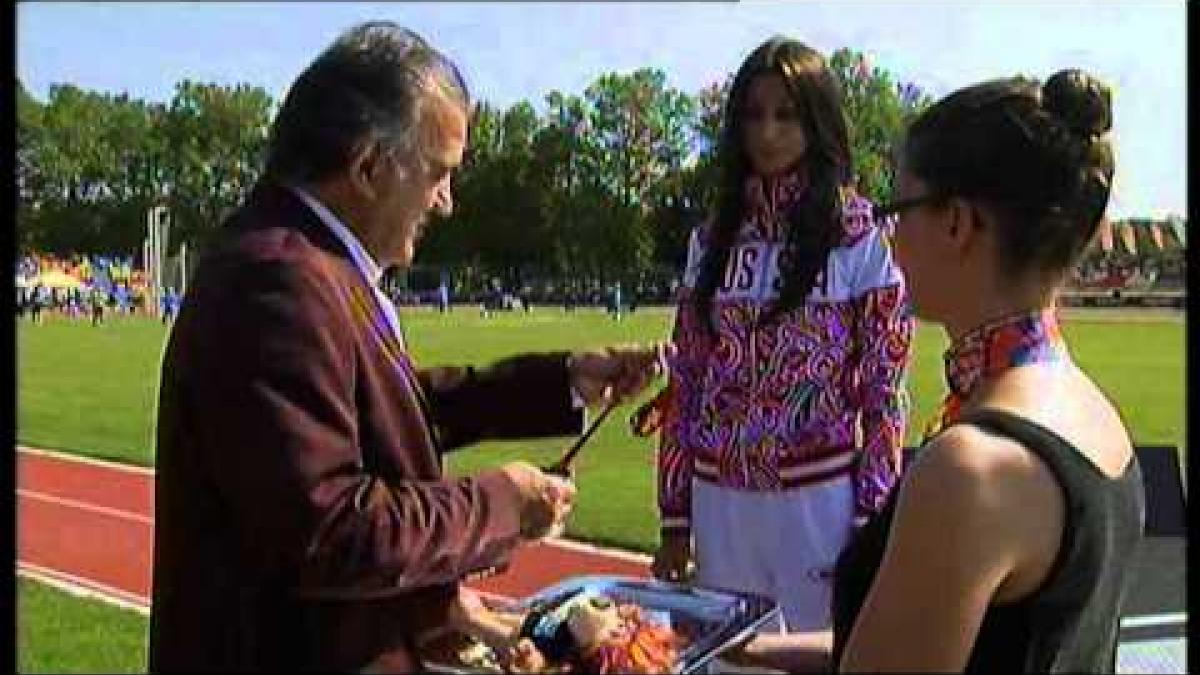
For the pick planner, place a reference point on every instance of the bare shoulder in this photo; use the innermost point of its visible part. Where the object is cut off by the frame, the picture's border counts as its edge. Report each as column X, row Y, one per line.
column 1072, row 406
column 966, row 452
column 960, row 518
column 983, row 478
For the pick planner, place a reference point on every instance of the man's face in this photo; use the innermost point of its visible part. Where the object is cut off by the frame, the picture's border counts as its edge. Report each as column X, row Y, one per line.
column 422, row 181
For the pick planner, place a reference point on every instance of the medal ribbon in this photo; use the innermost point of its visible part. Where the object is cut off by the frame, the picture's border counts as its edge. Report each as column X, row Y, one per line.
column 988, row 350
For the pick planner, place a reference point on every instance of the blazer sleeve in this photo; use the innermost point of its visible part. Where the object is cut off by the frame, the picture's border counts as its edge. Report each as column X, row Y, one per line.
column 523, row 396
column 276, row 377
column 883, row 337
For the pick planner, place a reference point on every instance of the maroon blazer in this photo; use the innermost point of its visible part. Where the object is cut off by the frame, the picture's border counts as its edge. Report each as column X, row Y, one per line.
column 302, row 520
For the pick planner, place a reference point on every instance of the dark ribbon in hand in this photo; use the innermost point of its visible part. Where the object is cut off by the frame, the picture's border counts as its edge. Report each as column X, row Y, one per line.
column 563, row 466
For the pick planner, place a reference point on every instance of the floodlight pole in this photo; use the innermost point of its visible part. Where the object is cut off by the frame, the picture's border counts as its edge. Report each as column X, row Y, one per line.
column 151, row 300
column 158, row 223
column 183, row 269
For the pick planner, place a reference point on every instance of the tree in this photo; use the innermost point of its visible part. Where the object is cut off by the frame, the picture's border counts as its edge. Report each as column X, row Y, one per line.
column 640, row 128
column 69, row 173
column 498, row 222
column 91, row 164
column 557, row 146
column 215, row 137
column 515, row 236
column 604, row 186
column 31, row 181
column 453, row 242
column 687, row 194
column 877, row 112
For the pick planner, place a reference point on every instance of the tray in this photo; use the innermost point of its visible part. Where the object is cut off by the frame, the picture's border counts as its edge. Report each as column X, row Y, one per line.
column 710, row 620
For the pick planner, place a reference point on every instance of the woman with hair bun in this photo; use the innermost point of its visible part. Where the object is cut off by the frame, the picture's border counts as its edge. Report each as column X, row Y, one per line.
column 1007, row 546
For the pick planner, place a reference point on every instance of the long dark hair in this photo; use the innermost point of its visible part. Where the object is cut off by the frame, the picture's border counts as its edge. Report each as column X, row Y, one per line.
column 814, row 226
column 1037, row 155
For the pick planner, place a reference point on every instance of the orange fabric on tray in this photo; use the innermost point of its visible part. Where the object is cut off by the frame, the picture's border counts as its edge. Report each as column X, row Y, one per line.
column 647, row 647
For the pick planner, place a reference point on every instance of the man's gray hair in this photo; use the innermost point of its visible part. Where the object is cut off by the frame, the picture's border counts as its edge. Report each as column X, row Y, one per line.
column 372, row 84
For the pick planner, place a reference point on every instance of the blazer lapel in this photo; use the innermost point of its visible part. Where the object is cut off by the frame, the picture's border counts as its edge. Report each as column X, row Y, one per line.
column 287, row 209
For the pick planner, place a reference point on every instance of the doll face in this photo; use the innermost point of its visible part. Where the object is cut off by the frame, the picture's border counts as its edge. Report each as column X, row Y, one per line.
column 593, row 619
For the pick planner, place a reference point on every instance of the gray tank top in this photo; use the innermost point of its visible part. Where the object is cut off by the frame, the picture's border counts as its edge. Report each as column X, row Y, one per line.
column 1071, row 622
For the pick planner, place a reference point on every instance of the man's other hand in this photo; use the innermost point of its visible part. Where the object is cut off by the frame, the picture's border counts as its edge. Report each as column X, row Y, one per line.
column 620, row 371
column 546, row 500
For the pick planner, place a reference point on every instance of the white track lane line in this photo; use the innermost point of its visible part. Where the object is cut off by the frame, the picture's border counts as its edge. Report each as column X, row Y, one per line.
column 85, row 506
column 79, row 459
column 83, row 587
column 86, row 587
column 568, row 544
column 592, row 549
column 94, row 590
column 1145, row 620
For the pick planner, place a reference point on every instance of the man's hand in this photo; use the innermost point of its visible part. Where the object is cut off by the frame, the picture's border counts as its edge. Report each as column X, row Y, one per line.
column 546, row 500
column 619, row 372
column 465, row 612
column 673, row 559
column 469, row 615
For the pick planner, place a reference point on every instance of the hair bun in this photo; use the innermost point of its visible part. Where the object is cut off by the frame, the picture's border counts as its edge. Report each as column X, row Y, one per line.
column 1081, row 102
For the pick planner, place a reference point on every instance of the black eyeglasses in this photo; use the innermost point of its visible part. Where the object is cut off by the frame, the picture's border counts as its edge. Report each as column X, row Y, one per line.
column 895, row 208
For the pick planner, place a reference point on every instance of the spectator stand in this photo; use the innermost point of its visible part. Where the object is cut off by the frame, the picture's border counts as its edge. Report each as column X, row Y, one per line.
column 1132, row 263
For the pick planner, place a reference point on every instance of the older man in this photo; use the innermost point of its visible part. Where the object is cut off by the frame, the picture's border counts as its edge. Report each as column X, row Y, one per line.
column 302, row 517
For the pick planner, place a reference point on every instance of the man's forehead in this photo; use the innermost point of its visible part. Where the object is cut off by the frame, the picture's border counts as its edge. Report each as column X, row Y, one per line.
column 445, row 131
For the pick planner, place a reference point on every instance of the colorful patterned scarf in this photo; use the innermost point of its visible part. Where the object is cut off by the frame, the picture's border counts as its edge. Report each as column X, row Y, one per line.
column 985, row 352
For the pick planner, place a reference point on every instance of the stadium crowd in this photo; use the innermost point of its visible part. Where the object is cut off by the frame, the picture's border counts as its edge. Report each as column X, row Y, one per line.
column 80, row 286
column 76, row 285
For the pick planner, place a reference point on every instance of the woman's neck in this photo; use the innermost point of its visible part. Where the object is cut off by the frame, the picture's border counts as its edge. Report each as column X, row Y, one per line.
column 987, row 307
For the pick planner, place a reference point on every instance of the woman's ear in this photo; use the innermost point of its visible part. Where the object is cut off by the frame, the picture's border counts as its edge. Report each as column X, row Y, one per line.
column 965, row 225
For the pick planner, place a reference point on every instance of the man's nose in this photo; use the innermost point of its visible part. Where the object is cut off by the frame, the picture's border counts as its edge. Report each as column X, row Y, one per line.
column 443, row 201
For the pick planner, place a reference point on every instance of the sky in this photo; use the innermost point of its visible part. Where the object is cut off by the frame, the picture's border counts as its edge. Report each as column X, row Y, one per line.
column 521, row 51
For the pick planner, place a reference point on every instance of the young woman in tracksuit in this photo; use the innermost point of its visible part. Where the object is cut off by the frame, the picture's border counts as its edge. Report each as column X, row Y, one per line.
column 784, row 419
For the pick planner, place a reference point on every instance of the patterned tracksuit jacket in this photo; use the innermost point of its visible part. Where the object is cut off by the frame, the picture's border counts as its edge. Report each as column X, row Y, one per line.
column 815, row 395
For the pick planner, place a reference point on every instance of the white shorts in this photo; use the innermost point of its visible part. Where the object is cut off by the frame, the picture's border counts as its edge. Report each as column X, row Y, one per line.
column 780, row 544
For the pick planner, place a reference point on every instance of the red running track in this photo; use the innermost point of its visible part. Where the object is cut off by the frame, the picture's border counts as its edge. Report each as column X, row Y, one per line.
column 91, row 524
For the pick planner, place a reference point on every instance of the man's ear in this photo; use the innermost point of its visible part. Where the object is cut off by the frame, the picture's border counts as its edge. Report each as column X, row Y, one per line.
column 367, row 166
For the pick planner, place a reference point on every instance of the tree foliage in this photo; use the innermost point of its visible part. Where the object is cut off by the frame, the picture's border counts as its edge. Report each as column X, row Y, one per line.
column 877, row 111
column 604, row 184
column 91, row 164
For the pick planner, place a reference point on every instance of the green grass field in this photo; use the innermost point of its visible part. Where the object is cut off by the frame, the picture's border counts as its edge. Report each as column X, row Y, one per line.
column 92, row 391
column 60, row 633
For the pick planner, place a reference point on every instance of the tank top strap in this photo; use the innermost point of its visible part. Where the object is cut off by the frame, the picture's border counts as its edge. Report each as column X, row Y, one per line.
column 1065, row 460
